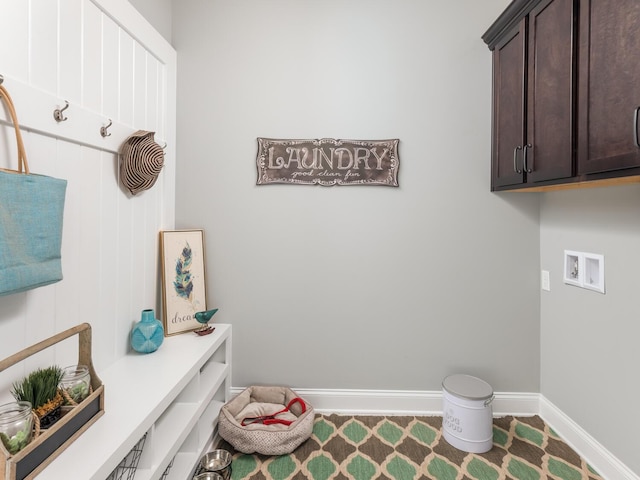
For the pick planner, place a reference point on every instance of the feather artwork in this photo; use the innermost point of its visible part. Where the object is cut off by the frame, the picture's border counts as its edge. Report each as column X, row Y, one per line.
column 183, row 283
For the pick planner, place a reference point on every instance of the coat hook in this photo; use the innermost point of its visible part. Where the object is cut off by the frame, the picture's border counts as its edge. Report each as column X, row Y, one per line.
column 57, row 113
column 103, row 129
column 1, row 79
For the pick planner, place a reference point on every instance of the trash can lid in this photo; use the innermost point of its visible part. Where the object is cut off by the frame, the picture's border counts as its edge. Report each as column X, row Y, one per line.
column 466, row 386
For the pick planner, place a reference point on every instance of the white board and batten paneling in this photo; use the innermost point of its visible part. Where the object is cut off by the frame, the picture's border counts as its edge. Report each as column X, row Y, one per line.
column 110, row 65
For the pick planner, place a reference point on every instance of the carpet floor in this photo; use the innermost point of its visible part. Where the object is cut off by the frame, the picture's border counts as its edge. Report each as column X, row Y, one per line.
column 358, row 447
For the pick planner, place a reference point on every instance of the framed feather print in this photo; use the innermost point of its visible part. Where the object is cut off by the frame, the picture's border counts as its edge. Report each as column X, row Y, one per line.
column 183, row 279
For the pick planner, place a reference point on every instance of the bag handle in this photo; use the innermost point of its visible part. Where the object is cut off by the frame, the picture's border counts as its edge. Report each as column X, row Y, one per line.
column 271, row 419
column 23, row 166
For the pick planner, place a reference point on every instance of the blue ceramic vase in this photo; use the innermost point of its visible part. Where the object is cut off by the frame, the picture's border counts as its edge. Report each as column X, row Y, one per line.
column 147, row 335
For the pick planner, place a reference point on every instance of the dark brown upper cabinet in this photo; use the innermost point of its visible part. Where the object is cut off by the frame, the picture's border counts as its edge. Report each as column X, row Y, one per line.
column 609, row 86
column 533, row 93
column 509, row 108
column 566, row 94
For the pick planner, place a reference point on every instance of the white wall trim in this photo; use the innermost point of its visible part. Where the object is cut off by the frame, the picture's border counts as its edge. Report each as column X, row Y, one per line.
column 603, row 461
column 35, row 113
column 413, row 402
column 127, row 16
column 403, row 402
column 373, row 402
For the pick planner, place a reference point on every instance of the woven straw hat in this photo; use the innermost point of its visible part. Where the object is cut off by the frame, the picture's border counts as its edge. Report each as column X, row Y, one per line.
column 141, row 160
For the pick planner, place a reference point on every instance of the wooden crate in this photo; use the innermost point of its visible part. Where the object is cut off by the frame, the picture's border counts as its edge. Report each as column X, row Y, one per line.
column 33, row 458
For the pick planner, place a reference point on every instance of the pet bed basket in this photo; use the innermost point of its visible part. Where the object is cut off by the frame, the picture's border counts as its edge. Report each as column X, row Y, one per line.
column 266, row 420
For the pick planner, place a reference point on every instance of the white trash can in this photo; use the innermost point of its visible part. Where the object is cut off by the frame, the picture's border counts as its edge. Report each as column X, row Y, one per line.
column 467, row 414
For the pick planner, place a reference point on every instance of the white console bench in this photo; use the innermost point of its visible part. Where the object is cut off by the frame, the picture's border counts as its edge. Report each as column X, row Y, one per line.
column 173, row 396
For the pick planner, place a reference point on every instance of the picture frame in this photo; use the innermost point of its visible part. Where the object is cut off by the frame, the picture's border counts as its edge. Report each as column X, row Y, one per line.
column 183, row 279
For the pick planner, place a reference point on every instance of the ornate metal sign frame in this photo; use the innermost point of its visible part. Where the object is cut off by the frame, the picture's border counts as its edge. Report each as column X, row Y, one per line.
column 328, row 161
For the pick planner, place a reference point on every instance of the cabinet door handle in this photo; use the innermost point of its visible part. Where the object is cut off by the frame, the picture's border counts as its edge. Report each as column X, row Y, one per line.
column 635, row 126
column 524, row 158
column 515, row 159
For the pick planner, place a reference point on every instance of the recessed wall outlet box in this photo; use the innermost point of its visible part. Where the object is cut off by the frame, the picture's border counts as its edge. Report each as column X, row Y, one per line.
column 585, row 270
column 593, row 278
column 573, row 267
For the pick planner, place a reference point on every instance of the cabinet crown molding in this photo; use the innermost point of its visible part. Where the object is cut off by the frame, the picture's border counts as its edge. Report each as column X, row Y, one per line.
column 508, row 19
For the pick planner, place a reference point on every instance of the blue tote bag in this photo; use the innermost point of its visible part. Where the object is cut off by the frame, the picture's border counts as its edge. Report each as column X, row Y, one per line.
column 31, row 212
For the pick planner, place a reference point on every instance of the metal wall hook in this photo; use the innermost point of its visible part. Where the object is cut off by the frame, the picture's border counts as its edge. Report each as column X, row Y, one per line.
column 104, row 128
column 57, row 113
column 1, row 79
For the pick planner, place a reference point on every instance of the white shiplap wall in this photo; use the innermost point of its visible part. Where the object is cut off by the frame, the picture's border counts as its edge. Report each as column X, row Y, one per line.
column 105, row 60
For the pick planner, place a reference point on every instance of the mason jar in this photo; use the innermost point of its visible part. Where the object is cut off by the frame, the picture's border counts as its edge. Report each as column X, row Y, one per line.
column 76, row 381
column 16, row 422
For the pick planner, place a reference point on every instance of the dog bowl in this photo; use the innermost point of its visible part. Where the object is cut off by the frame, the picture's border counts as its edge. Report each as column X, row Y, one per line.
column 218, row 461
column 208, row 476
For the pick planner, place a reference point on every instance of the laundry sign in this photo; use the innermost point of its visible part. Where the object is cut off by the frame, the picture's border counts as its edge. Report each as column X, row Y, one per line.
column 328, row 161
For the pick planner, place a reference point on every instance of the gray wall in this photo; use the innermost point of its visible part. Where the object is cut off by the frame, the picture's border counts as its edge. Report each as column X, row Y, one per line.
column 366, row 287
column 356, row 287
column 590, row 353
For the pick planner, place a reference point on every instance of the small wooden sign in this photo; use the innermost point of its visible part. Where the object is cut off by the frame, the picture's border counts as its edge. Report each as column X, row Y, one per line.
column 328, row 162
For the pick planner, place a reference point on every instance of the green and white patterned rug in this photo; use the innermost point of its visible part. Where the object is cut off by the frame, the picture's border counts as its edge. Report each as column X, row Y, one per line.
column 412, row 448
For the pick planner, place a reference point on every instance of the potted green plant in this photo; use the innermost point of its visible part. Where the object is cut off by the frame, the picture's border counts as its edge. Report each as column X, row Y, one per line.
column 41, row 389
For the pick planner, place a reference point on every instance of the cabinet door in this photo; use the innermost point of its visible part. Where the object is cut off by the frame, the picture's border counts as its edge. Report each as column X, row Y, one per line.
column 609, row 90
column 549, row 153
column 509, row 83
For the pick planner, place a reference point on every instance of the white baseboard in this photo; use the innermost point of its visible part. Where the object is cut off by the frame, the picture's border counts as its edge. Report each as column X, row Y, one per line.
column 373, row 402
column 403, row 402
column 602, row 461
column 408, row 402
